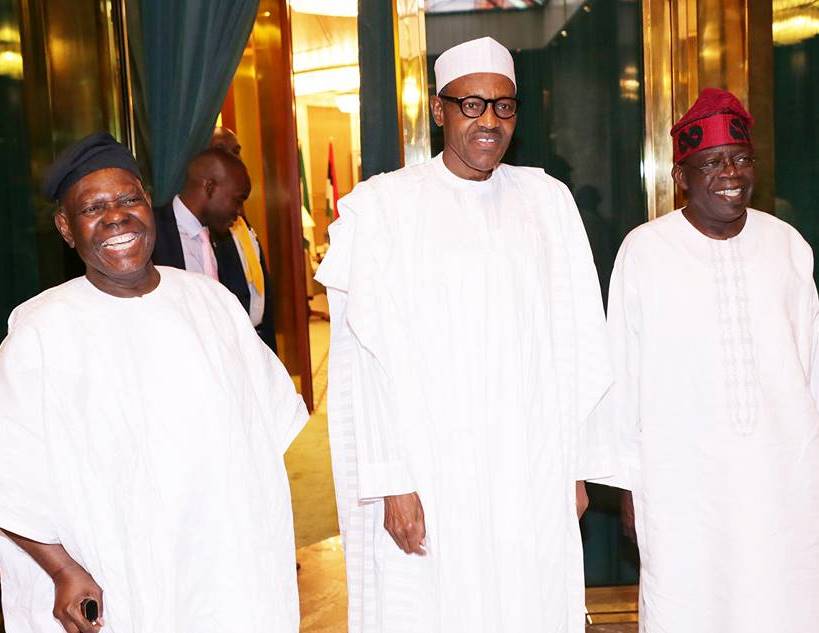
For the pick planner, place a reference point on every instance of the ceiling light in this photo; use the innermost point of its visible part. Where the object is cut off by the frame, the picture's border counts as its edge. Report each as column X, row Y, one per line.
column 11, row 64
column 341, row 8
column 348, row 103
column 340, row 79
column 794, row 21
column 411, row 97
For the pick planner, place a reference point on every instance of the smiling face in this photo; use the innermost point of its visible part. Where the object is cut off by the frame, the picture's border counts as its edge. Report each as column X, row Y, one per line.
column 718, row 183
column 474, row 147
column 106, row 216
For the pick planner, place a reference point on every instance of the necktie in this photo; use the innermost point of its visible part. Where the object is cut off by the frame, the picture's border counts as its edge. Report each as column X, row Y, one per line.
column 253, row 272
column 208, row 256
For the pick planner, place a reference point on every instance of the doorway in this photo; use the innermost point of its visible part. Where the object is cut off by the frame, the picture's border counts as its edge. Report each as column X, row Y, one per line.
column 294, row 105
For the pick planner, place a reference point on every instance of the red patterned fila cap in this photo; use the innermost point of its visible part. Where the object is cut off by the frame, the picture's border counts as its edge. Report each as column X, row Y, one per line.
column 716, row 118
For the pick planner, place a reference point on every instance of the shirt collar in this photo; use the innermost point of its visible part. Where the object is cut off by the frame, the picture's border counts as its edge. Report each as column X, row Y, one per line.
column 187, row 222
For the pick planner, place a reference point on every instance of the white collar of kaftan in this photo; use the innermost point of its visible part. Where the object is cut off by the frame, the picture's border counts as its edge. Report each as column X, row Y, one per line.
column 704, row 247
column 476, row 186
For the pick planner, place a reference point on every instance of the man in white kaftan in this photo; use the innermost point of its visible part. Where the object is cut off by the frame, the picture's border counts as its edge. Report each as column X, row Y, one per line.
column 714, row 323
column 467, row 352
column 144, row 436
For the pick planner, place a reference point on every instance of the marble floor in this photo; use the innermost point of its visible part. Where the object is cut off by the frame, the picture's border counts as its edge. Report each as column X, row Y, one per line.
column 322, row 589
column 308, row 458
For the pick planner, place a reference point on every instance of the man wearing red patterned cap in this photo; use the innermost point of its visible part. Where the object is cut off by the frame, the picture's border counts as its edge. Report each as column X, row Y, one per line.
column 714, row 326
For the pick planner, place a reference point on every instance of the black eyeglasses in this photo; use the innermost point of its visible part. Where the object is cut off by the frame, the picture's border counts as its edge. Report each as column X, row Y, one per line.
column 717, row 164
column 473, row 106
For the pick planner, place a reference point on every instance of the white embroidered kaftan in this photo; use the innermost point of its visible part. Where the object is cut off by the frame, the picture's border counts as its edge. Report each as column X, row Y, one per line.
column 467, row 352
column 715, row 354
column 146, row 436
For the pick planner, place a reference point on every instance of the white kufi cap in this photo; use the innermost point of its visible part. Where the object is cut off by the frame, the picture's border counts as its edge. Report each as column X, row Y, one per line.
column 484, row 55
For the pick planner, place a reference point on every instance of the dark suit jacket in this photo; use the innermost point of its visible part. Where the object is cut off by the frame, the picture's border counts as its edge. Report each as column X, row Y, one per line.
column 168, row 252
column 168, row 247
column 232, row 275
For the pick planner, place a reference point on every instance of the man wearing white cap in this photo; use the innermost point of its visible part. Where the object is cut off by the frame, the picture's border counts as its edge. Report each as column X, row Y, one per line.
column 468, row 351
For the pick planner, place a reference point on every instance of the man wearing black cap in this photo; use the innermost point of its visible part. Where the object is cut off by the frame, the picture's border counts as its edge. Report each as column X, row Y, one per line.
column 714, row 325
column 143, row 427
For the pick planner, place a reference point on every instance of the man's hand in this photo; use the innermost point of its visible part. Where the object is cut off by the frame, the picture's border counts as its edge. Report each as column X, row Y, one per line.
column 627, row 515
column 404, row 520
column 581, row 498
column 72, row 585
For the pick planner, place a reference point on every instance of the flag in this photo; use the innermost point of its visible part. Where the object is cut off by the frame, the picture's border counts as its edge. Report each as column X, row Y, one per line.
column 332, row 186
column 305, row 190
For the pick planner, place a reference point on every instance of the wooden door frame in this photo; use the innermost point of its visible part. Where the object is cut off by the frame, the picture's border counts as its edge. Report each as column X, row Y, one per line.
column 274, row 53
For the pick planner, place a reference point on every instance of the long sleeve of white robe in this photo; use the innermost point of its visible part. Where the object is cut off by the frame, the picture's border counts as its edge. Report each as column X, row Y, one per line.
column 367, row 456
column 26, row 507
column 622, row 404
column 596, row 445
column 381, row 466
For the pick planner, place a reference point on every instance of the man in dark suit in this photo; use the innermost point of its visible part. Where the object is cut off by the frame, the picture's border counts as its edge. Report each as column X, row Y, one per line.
column 233, row 275
column 194, row 232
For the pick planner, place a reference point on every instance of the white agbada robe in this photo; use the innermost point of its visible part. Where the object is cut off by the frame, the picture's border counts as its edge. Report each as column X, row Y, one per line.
column 147, row 435
column 467, row 351
column 715, row 355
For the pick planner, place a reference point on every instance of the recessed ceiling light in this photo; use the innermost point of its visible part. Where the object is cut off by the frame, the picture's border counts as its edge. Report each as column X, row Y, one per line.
column 342, row 8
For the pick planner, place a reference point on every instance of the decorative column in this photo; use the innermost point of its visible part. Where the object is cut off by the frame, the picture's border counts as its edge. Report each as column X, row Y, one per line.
column 412, row 84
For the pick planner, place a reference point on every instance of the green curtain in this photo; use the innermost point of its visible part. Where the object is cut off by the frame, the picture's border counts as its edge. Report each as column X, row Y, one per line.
column 380, row 148
column 796, row 138
column 19, row 268
column 191, row 49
